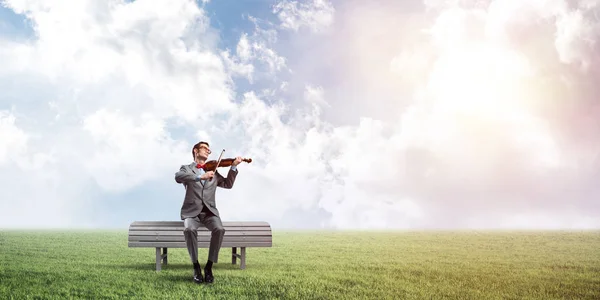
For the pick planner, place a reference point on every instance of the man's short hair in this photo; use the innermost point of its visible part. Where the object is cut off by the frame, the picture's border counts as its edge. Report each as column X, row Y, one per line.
column 197, row 146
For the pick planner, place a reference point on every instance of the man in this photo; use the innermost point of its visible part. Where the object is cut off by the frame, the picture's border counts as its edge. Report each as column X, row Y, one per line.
column 199, row 207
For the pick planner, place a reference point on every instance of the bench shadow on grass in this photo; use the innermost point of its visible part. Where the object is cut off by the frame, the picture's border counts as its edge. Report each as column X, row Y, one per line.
column 183, row 271
column 142, row 266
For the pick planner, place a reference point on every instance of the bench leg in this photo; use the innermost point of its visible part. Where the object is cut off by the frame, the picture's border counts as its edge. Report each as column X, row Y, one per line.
column 158, row 257
column 233, row 256
column 243, row 258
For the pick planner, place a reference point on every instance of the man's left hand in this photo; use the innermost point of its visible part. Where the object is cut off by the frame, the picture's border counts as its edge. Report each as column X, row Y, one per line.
column 237, row 161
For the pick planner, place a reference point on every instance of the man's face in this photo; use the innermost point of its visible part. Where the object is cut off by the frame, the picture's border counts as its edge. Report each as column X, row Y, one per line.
column 203, row 151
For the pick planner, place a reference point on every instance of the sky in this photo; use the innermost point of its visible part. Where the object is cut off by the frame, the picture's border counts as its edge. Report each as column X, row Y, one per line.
column 357, row 114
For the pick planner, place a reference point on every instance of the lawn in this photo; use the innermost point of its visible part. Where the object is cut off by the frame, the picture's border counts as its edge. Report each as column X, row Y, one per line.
column 310, row 265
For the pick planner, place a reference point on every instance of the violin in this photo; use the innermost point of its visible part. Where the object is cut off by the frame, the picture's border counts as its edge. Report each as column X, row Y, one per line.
column 211, row 165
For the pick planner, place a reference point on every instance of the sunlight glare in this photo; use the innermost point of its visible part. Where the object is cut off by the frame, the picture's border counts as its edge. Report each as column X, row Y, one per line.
column 478, row 93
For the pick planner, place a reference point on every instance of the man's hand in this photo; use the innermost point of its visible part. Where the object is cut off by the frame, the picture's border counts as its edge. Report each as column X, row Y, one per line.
column 237, row 161
column 207, row 175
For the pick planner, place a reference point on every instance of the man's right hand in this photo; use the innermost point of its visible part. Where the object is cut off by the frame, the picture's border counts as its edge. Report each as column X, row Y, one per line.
column 207, row 175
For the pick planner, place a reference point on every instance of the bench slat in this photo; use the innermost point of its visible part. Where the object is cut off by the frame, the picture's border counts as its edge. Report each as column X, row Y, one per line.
column 201, row 228
column 226, row 244
column 234, row 239
column 176, row 223
column 204, row 232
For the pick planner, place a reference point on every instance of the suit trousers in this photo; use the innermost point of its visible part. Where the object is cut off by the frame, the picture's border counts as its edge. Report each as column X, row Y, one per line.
column 213, row 224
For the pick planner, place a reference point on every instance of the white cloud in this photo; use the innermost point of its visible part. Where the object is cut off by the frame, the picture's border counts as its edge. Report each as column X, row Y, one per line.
column 14, row 140
column 138, row 44
column 478, row 74
column 254, row 58
column 577, row 35
column 128, row 150
column 315, row 95
column 305, row 163
column 116, row 74
column 37, row 191
column 240, row 64
column 476, row 135
column 243, row 48
column 316, row 15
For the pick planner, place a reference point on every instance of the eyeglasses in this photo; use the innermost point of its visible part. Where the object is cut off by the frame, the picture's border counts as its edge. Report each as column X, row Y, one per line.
column 205, row 148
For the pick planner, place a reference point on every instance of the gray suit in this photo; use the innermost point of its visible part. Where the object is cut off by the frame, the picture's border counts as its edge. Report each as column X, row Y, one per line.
column 199, row 208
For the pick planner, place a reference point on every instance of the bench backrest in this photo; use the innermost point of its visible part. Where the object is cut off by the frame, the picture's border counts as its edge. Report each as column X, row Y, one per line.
column 169, row 234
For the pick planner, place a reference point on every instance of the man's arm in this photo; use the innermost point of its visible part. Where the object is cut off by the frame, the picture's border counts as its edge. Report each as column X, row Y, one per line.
column 184, row 176
column 227, row 182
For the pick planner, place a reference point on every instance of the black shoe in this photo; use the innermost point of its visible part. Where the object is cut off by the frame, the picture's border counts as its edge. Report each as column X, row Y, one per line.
column 209, row 276
column 198, row 275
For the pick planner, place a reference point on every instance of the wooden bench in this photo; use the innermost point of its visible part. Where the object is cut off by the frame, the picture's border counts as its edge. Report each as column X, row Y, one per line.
column 169, row 234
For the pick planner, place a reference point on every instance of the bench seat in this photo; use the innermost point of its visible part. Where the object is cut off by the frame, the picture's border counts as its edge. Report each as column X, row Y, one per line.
column 169, row 234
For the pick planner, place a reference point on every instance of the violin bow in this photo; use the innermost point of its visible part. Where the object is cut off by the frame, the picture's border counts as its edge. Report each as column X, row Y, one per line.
column 218, row 162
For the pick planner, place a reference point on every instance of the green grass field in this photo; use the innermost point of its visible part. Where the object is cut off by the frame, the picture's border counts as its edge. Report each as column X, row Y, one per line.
column 310, row 265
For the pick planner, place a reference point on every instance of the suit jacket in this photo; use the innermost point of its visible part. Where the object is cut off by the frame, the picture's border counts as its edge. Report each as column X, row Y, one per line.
column 198, row 194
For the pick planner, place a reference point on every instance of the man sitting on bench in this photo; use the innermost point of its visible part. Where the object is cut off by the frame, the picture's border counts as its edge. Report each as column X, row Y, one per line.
column 199, row 207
